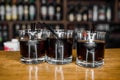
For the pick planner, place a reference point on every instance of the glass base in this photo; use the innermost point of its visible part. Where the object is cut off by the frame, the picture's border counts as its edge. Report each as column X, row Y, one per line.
column 54, row 61
column 88, row 64
column 33, row 60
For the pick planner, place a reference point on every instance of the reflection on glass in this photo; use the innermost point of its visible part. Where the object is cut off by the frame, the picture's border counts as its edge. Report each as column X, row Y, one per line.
column 59, row 74
column 89, row 74
column 33, row 73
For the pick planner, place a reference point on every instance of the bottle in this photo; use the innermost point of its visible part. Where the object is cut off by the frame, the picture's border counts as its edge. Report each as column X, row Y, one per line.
column 78, row 14
column 58, row 12
column 43, row 1
column 14, row 12
column 58, row 9
column 20, row 12
column 26, row 1
column 90, row 14
column 71, row 16
column 95, row 13
column 16, row 30
column 43, row 11
column 101, row 13
column 51, row 10
column 32, row 11
column 2, row 12
column 85, row 14
column 8, row 12
column 108, row 14
column 26, row 12
column 5, row 32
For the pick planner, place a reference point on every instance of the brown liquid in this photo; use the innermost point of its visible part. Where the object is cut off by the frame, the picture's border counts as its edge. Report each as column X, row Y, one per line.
column 98, row 50
column 67, row 47
column 24, row 49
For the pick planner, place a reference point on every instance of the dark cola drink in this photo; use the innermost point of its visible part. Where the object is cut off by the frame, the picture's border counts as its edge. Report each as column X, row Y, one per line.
column 90, row 54
column 32, row 51
column 61, row 54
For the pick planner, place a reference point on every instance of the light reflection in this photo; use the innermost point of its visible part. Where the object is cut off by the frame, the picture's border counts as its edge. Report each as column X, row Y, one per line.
column 33, row 72
column 59, row 74
column 89, row 74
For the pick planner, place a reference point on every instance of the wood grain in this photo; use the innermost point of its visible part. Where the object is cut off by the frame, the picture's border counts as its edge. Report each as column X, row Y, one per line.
column 12, row 69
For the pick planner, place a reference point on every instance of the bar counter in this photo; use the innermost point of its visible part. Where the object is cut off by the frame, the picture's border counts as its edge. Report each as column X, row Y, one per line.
column 12, row 69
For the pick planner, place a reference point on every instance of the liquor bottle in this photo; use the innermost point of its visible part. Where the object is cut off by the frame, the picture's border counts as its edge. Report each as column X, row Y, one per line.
column 26, row 1
column 108, row 14
column 16, row 30
column 85, row 14
column 32, row 11
column 95, row 13
column 5, row 32
column 101, row 13
column 43, row 1
column 2, row 12
column 14, row 12
column 78, row 14
column 2, row 1
column 59, row 9
column 20, row 11
column 90, row 14
column 71, row 16
column 8, row 11
column 43, row 11
column 26, row 12
column 51, row 10
column 58, row 12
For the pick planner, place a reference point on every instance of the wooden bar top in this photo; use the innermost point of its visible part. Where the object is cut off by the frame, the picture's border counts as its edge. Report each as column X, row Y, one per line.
column 12, row 69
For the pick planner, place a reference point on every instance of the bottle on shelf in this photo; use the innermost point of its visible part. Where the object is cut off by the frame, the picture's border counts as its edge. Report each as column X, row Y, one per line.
column 26, row 11
column 90, row 13
column 43, row 1
column 71, row 15
column 108, row 14
column 51, row 10
column 14, row 12
column 32, row 11
column 8, row 12
column 78, row 14
column 85, row 14
column 95, row 13
column 43, row 10
column 101, row 13
column 2, row 12
column 58, row 12
column 20, row 11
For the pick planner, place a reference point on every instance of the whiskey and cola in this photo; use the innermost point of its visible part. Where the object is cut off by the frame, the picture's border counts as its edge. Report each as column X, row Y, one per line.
column 41, row 45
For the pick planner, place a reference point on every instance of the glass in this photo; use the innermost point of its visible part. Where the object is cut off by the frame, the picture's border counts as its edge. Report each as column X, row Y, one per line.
column 32, row 46
column 90, row 48
column 59, row 49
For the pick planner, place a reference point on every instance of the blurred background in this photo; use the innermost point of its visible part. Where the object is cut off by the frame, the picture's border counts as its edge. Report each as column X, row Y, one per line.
column 100, row 15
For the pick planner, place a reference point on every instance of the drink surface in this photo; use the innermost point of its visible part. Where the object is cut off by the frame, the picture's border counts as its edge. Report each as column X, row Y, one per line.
column 67, row 51
column 83, row 47
column 32, row 49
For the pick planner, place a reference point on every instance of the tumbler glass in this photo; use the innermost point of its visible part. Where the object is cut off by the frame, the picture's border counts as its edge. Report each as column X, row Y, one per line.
column 32, row 46
column 90, row 48
column 59, row 49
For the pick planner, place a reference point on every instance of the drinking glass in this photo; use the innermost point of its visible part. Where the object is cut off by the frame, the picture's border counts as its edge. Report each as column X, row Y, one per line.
column 90, row 48
column 59, row 48
column 32, row 46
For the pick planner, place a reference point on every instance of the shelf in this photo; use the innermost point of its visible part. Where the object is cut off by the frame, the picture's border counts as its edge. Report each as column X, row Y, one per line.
column 82, row 22
column 85, row 2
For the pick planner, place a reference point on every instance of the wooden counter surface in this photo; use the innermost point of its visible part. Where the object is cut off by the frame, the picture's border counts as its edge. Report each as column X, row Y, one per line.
column 12, row 69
